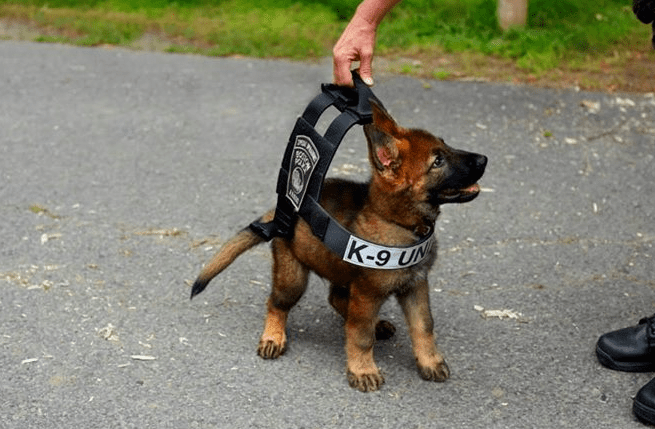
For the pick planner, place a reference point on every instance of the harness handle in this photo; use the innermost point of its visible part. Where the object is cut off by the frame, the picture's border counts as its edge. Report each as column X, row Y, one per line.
column 355, row 99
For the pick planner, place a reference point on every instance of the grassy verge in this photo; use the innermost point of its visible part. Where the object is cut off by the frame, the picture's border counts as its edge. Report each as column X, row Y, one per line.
column 233, row 28
column 592, row 42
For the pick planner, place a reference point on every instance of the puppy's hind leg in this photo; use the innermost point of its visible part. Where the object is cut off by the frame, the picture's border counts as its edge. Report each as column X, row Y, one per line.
column 289, row 284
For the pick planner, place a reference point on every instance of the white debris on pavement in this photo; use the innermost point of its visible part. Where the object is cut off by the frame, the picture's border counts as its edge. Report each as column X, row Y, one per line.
column 47, row 237
column 626, row 102
column 499, row 314
column 143, row 357
column 592, row 106
column 108, row 333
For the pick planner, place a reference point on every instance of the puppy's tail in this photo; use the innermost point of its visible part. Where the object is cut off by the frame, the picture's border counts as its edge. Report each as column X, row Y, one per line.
column 238, row 244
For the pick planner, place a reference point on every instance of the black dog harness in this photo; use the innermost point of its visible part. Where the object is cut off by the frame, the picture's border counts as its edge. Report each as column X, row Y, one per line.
column 304, row 166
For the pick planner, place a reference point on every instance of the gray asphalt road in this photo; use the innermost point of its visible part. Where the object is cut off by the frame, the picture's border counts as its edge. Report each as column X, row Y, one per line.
column 121, row 172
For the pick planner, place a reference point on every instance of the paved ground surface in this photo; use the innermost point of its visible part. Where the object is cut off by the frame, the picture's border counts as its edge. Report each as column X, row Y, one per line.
column 121, row 172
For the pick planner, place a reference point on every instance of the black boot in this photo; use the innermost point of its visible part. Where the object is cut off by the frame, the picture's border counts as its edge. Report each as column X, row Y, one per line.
column 629, row 349
column 645, row 12
column 644, row 404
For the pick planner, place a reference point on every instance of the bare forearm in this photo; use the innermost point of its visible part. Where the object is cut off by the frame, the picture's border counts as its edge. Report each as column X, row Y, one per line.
column 374, row 11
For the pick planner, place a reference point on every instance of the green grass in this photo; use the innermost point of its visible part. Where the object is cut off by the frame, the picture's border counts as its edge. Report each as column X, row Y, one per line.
column 558, row 31
column 233, row 27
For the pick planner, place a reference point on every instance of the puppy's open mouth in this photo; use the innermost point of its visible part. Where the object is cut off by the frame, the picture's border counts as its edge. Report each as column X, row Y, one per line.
column 463, row 195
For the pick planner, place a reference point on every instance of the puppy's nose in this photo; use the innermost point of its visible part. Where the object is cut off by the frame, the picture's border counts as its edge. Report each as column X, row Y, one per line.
column 480, row 162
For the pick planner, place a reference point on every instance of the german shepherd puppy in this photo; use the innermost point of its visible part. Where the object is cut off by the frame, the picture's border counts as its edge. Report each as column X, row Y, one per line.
column 413, row 173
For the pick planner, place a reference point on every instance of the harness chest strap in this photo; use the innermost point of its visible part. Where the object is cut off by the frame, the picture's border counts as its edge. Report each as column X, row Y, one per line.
column 358, row 251
column 307, row 158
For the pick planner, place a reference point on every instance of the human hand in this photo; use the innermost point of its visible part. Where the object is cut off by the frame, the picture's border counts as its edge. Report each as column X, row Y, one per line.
column 356, row 43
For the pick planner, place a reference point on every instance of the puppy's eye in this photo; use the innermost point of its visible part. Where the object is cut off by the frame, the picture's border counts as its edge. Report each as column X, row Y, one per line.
column 439, row 162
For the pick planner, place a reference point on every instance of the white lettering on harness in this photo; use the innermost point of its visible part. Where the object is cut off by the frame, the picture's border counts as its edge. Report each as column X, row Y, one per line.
column 366, row 254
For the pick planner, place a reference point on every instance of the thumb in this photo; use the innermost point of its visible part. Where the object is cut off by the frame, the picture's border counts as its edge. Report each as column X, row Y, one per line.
column 365, row 70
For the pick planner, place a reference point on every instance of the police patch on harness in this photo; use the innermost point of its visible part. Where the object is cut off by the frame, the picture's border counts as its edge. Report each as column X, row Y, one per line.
column 303, row 161
column 366, row 254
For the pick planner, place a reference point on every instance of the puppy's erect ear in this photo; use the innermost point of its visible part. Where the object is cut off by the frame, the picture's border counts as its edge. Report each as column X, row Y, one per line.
column 382, row 144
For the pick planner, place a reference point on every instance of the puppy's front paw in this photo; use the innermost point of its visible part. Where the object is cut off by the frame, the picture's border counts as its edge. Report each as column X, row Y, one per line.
column 437, row 372
column 270, row 349
column 367, row 382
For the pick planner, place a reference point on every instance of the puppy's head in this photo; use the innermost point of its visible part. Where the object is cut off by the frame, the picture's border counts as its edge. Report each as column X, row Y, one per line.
column 415, row 163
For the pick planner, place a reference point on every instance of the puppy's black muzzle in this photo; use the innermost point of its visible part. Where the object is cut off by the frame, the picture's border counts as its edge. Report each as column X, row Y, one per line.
column 463, row 170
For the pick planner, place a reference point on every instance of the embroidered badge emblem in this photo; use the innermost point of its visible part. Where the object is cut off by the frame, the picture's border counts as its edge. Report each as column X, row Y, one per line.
column 303, row 161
